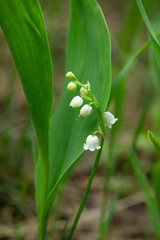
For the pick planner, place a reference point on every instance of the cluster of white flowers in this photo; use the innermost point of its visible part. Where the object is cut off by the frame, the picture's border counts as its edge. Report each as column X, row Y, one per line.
column 92, row 141
column 77, row 101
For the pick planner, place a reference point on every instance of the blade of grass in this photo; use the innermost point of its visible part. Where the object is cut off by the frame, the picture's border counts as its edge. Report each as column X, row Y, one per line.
column 150, row 201
column 155, row 70
column 120, row 76
column 154, row 40
column 107, row 216
column 128, row 34
column 55, row 215
column 156, row 181
column 141, row 177
column 155, row 140
column 156, row 173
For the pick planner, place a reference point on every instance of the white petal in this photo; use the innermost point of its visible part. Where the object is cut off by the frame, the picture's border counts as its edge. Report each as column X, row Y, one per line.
column 92, row 149
column 76, row 102
column 85, row 110
column 109, row 119
column 92, row 143
column 83, row 92
column 85, row 146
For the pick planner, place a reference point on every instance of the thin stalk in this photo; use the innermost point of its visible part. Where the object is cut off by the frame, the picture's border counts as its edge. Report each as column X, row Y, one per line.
column 145, row 106
column 150, row 200
column 107, row 212
column 108, row 215
column 23, row 191
column 86, row 191
column 107, row 176
column 56, row 208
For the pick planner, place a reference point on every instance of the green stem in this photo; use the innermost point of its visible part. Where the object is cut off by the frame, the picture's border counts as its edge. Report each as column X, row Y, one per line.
column 94, row 101
column 56, row 208
column 107, row 176
column 100, row 132
column 41, row 231
column 42, row 225
column 86, row 191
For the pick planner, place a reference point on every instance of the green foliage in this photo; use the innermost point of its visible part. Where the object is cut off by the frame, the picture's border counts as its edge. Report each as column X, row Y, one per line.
column 139, row 173
column 24, row 29
column 150, row 201
column 128, row 34
column 155, row 140
column 156, row 181
column 88, row 57
column 154, row 40
column 121, row 75
column 156, row 173
column 156, row 73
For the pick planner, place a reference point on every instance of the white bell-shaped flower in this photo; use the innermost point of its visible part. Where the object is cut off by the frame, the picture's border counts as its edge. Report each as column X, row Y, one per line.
column 76, row 102
column 83, row 92
column 109, row 119
column 85, row 110
column 92, row 143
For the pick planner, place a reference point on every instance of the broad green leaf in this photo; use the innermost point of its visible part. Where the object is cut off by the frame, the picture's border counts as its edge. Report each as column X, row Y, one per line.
column 155, row 140
column 88, row 57
column 154, row 40
column 24, row 29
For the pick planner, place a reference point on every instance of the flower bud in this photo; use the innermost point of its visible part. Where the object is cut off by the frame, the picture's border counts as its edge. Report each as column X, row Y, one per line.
column 83, row 92
column 70, row 75
column 109, row 119
column 92, row 143
column 85, row 110
column 76, row 102
column 71, row 87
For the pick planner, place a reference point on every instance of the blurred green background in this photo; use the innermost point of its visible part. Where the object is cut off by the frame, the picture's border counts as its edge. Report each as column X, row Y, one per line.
column 17, row 200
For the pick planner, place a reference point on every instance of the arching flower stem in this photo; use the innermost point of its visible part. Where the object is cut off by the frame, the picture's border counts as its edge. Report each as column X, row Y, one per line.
column 100, row 132
column 94, row 102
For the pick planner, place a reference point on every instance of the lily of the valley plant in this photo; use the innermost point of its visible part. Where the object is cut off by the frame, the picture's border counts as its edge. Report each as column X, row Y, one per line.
column 58, row 144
